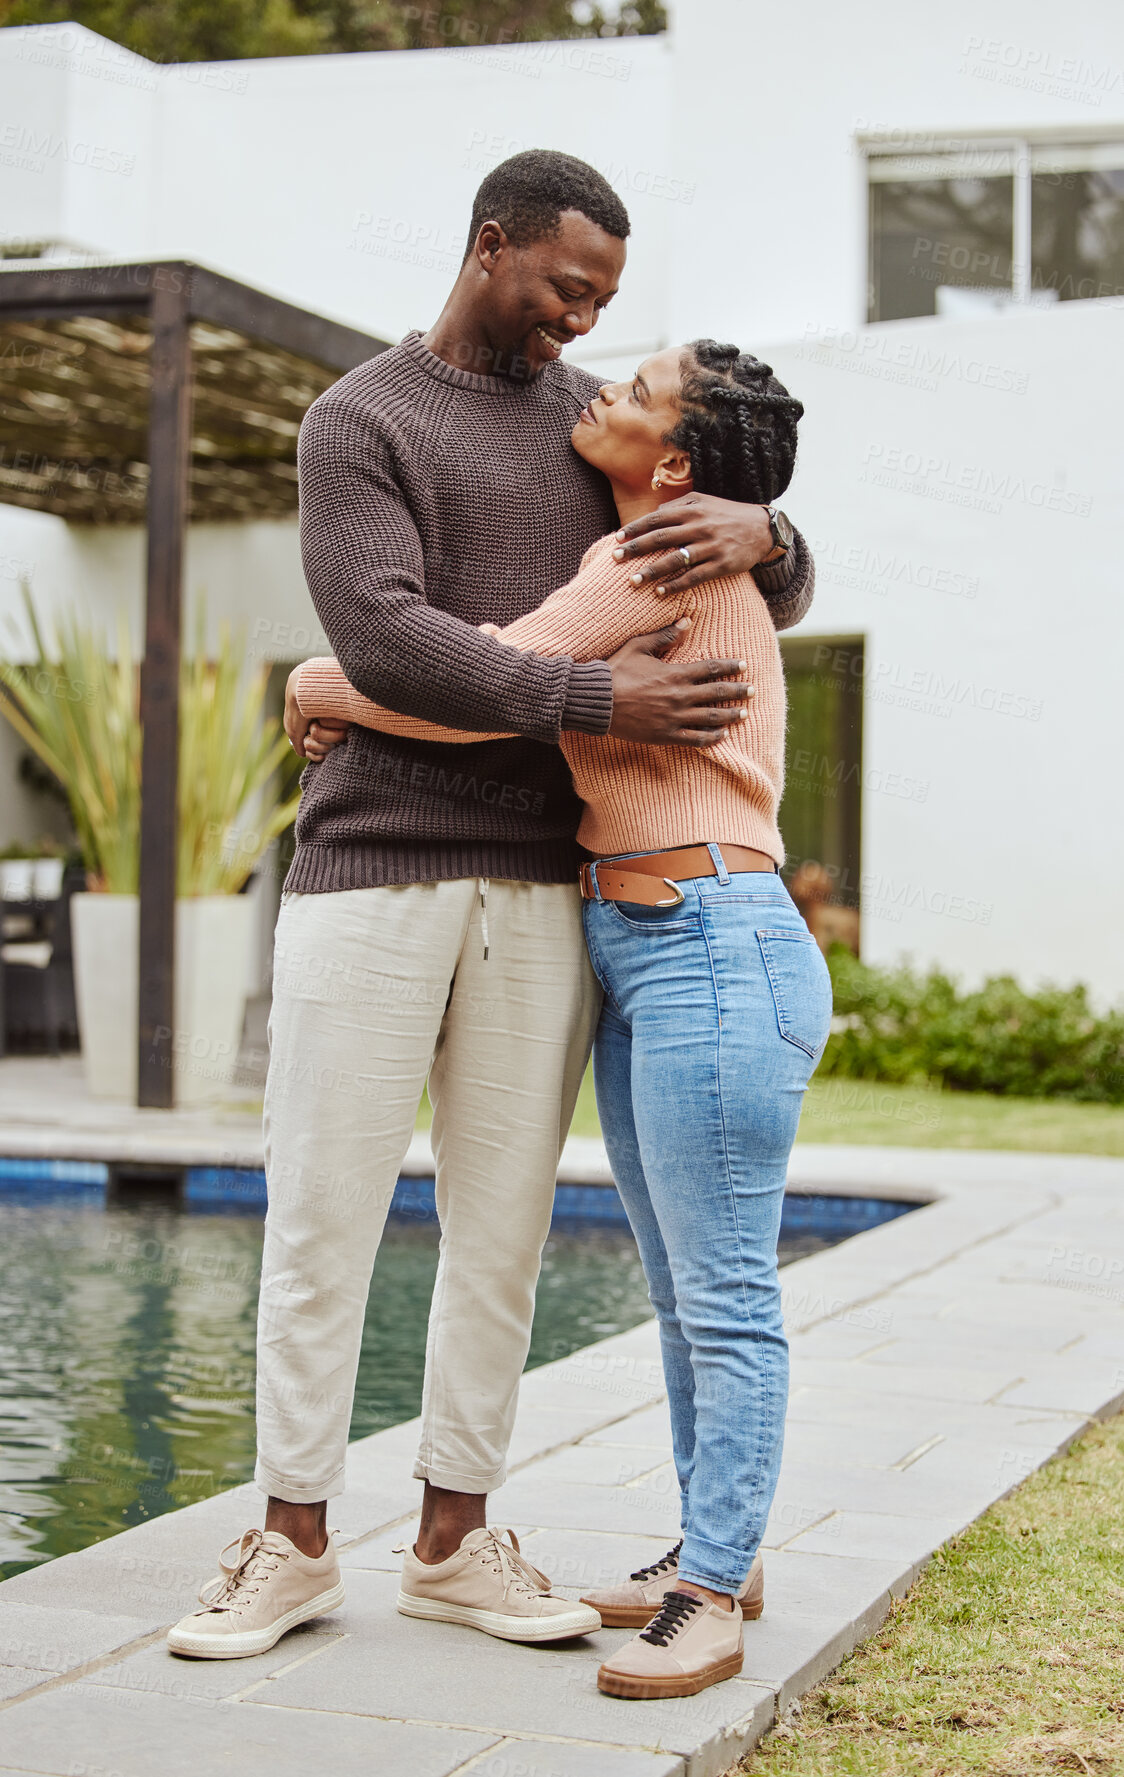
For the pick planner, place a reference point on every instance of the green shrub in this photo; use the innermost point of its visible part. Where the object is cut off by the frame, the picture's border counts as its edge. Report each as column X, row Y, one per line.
column 895, row 1025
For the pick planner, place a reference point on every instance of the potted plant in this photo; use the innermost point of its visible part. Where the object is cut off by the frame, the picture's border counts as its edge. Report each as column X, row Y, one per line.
column 77, row 707
column 32, row 872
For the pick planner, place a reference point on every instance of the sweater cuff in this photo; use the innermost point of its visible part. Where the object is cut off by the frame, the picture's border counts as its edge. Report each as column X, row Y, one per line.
column 319, row 692
column 777, row 576
column 589, row 698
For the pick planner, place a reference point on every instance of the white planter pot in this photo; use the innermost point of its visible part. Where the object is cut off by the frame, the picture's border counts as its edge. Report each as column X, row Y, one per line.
column 213, row 938
column 17, row 879
column 48, row 878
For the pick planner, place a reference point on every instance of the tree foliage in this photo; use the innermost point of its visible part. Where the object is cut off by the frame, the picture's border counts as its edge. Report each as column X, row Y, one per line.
column 229, row 30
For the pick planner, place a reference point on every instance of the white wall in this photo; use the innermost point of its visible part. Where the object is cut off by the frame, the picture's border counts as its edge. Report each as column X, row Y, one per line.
column 960, row 483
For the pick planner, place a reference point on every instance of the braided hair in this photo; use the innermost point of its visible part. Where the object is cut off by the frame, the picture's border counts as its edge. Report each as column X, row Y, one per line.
column 738, row 424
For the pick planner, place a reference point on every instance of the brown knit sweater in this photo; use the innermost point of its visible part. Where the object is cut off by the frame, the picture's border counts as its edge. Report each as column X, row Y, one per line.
column 433, row 500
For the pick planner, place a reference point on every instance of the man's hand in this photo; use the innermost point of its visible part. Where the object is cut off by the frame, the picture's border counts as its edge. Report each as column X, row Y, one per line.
column 721, row 537
column 309, row 738
column 688, row 703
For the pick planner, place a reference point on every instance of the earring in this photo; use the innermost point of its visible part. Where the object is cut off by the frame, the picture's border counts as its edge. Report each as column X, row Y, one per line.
column 656, row 482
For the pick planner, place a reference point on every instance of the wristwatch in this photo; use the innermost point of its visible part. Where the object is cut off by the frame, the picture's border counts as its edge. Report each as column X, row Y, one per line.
column 780, row 529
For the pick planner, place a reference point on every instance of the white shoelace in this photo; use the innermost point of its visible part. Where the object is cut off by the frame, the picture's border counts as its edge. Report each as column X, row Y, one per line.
column 514, row 1568
column 243, row 1576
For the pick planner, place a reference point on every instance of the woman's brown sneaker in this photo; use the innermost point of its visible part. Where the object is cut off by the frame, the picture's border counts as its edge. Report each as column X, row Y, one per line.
column 632, row 1605
column 690, row 1644
column 266, row 1589
column 489, row 1585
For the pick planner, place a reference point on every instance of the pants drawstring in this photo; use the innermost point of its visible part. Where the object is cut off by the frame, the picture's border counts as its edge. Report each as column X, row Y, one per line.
column 484, row 913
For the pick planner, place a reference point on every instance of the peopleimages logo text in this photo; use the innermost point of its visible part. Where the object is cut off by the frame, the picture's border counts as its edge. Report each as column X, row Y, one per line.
column 935, row 476
column 42, row 146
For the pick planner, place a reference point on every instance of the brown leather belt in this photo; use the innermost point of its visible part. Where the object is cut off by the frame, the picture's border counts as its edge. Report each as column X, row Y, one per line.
column 648, row 879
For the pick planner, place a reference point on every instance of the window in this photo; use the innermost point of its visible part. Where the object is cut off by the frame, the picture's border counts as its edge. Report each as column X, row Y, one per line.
column 821, row 812
column 976, row 226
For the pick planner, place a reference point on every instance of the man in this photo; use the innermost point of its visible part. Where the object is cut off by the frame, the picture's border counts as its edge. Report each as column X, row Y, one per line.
column 430, row 925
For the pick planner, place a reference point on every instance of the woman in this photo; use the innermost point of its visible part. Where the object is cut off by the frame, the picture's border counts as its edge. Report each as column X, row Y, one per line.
column 717, row 1000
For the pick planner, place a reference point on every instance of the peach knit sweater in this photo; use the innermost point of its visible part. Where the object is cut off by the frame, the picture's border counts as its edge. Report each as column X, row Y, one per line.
column 637, row 798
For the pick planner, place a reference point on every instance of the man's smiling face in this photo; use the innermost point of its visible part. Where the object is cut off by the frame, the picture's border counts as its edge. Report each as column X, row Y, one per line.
column 544, row 295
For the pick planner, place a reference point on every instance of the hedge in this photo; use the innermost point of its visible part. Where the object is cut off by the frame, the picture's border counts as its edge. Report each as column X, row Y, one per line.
column 906, row 1028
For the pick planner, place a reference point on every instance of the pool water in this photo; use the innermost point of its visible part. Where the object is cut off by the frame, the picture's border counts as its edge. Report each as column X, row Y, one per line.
column 127, row 1346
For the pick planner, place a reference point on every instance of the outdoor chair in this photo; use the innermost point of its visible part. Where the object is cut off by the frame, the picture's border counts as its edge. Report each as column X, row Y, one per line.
column 37, row 1005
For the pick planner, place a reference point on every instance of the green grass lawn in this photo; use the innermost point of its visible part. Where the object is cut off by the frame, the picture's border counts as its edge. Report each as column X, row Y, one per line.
column 920, row 1117
column 1004, row 1658
column 923, row 1117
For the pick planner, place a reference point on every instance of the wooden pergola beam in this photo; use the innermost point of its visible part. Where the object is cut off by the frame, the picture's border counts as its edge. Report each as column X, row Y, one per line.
column 169, row 437
column 207, row 296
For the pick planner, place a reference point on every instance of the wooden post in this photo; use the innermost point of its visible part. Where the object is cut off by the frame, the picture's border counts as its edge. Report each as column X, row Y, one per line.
column 169, row 421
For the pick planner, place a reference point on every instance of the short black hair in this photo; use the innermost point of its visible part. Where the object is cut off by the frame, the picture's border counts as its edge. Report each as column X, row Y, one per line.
column 528, row 193
column 738, row 424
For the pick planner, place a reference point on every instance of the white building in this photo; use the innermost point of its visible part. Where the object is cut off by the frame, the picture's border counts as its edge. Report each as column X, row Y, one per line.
column 956, row 173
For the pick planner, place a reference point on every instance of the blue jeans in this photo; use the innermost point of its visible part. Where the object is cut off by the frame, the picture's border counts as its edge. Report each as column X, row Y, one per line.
column 716, row 1012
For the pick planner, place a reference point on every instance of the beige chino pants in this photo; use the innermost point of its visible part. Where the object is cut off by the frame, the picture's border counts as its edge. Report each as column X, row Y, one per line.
column 374, row 991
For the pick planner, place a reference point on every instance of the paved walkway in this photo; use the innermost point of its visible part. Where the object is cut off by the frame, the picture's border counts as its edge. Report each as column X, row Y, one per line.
column 937, row 1361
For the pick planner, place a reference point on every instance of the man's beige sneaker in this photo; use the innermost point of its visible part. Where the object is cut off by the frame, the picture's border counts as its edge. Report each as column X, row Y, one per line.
column 267, row 1589
column 632, row 1605
column 689, row 1645
column 489, row 1585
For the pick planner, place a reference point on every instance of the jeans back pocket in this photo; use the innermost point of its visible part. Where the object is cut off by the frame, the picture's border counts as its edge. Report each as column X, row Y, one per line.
column 801, row 986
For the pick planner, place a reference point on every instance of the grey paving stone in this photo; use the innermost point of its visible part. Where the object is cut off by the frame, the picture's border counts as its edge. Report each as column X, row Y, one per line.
column 384, row 1454
column 991, row 1460
column 583, row 1560
column 857, row 1408
column 1108, row 1343
column 876, row 1534
column 385, row 1667
column 789, row 1653
column 378, row 1551
column 546, row 1758
column 847, row 1446
column 948, row 1337
column 14, row 1680
column 601, row 1393
column 1014, row 1299
column 838, row 1339
column 643, row 1510
column 154, row 1671
column 651, row 1425
column 1095, row 1386
column 84, row 1729
column 606, row 1465
column 541, row 1429
column 937, row 1351
column 739, row 1733
column 804, row 1495
column 56, row 1640
column 834, row 1586
column 948, row 1382
column 634, row 1455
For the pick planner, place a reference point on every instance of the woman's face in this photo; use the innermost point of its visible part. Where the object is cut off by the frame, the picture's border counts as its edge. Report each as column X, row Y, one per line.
column 624, row 429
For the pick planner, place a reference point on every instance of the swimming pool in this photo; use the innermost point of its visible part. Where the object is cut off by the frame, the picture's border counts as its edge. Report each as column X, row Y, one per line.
column 127, row 1333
